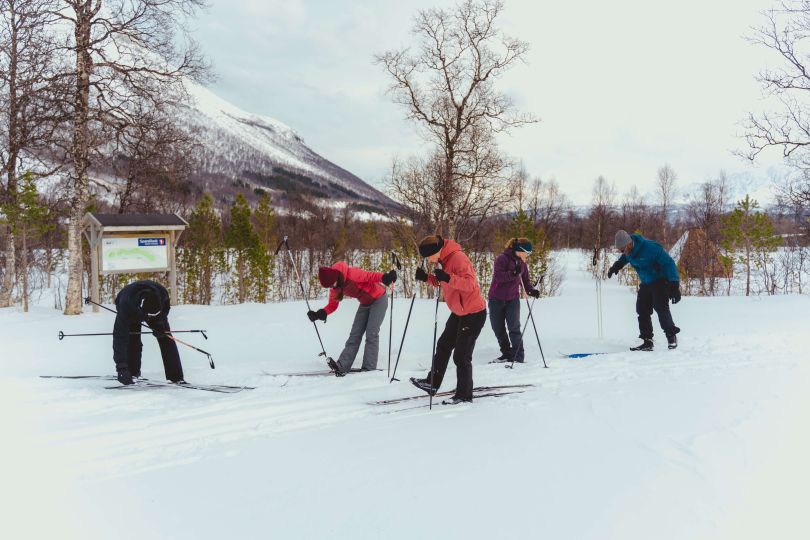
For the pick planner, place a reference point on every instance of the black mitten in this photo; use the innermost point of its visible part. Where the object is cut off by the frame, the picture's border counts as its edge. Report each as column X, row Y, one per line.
column 389, row 278
column 615, row 269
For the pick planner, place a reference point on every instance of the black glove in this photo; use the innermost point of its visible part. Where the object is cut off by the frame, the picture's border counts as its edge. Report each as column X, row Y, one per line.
column 675, row 291
column 615, row 269
column 389, row 278
column 534, row 293
column 518, row 269
column 441, row 275
column 124, row 376
column 421, row 275
column 315, row 315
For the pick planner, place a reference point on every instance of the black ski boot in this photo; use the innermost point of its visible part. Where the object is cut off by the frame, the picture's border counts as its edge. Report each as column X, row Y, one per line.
column 124, row 376
column 504, row 358
column 455, row 401
column 672, row 341
column 646, row 345
column 424, row 385
column 335, row 368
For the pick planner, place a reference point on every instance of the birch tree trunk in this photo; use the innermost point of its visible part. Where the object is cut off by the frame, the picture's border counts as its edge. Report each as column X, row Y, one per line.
column 8, row 274
column 80, row 151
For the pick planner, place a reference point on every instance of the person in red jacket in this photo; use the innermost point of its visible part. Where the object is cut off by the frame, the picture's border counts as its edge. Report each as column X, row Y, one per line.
column 468, row 314
column 343, row 280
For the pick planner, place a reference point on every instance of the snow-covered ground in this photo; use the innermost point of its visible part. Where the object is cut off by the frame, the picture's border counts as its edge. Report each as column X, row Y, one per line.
column 708, row 441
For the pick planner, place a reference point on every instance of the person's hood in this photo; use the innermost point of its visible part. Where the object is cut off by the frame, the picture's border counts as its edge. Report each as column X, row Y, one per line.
column 449, row 247
column 637, row 241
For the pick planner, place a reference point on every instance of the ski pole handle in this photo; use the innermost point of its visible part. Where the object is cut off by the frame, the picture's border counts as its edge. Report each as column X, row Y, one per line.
column 284, row 241
column 206, row 353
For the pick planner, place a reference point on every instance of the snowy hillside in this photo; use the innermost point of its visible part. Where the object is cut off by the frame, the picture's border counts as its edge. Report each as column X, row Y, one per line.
column 267, row 154
column 709, row 441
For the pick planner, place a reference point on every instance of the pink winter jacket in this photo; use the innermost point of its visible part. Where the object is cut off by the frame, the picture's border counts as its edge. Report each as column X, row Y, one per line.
column 357, row 283
column 462, row 294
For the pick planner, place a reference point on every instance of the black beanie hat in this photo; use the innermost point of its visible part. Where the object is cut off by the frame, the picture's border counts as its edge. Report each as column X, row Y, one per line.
column 426, row 249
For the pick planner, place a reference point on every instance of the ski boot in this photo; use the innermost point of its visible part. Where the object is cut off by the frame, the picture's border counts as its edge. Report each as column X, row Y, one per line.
column 124, row 376
column 424, row 385
column 504, row 358
column 672, row 342
column 335, row 368
column 646, row 345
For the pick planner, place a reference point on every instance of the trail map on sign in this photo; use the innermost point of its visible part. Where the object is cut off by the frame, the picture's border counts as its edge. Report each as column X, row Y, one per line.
column 134, row 253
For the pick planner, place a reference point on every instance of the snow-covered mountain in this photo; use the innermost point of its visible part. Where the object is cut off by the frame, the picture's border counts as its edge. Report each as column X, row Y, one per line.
column 245, row 150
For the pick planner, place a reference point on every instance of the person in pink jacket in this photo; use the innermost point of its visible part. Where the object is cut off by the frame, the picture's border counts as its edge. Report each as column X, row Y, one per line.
column 343, row 281
column 468, row 314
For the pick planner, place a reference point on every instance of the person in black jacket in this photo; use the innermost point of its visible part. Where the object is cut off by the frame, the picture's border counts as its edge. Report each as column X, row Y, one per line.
column 143, row 301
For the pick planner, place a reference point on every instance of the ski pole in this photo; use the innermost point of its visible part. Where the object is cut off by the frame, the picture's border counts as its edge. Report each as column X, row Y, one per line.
column 167, row 334
column 285, row 242
column 63, row 335
column 531, row 316
column 433, row 354
column 399, row 352
column 395, row 261
column 598, row 276
column 525, row 326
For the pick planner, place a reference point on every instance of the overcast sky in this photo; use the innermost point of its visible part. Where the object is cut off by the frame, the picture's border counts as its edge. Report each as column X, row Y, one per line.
column 621, row 87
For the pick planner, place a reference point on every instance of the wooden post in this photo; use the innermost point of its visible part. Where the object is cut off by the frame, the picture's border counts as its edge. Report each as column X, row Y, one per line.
column 172, row 269
column 94, row 238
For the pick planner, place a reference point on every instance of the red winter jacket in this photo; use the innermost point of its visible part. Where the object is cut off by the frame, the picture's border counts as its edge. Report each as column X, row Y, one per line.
column 462, row 294
column 357, row 283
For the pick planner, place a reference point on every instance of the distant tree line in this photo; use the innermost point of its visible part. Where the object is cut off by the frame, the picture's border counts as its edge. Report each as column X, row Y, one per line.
column 90, row 91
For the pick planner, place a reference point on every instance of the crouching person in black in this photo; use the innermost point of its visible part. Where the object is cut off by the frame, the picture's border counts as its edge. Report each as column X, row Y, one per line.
column 139, row 302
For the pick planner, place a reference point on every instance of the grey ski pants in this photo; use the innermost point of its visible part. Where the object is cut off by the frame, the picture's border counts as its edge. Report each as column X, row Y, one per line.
column 368, row 321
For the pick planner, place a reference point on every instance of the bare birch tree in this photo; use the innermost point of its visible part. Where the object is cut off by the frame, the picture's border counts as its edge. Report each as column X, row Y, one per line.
column 447, row 85
column 786, row 31
column 125, row 52
column 604, row 200
column 29, row 108
column 705, row 209
column 665, row 186
column 155, row 157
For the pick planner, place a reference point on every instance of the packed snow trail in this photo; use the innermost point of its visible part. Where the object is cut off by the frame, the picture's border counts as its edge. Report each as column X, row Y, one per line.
column 707, row 441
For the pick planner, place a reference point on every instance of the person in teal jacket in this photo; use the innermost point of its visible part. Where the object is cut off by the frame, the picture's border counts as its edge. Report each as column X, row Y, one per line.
column 660, row 283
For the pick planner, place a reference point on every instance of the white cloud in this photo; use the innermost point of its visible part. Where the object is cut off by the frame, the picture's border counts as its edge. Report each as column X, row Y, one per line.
column 621, row 87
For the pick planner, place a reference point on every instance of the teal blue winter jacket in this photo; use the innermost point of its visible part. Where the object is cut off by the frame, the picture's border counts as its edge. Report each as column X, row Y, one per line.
column 650, row 261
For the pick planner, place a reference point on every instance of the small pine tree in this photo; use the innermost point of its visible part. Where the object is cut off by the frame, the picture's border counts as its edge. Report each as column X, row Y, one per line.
column 264, row 220
column 748, row 237
column 538, row 263
column 29, row 218
column 242, row 241
column 370, row 243
column 202, row 254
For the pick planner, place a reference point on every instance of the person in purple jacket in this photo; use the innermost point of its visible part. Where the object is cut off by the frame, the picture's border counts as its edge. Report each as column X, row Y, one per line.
column 504, row 297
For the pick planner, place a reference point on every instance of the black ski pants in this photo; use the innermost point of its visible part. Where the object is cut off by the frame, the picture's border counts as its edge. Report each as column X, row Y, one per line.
column 168, row 349
column 458, row 338
column 654, row 296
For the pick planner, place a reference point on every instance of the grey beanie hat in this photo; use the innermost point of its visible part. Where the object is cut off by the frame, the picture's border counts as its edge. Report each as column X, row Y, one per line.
column 622, row 239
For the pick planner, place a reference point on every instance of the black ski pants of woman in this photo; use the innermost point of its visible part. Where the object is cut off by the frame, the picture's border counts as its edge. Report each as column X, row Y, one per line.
column 458, row 338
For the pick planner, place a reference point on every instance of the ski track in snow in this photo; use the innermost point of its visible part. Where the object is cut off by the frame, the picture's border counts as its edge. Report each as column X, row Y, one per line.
column 168, row 434
column 700, row 433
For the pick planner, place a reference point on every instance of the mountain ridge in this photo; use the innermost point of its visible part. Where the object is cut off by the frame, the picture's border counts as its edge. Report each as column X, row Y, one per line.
column 257, row 152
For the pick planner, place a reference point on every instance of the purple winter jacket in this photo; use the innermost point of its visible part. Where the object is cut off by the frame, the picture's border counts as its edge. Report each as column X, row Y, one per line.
column 505, row 284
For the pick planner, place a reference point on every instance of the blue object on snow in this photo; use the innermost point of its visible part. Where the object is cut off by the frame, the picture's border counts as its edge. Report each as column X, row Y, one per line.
column 582, row 354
